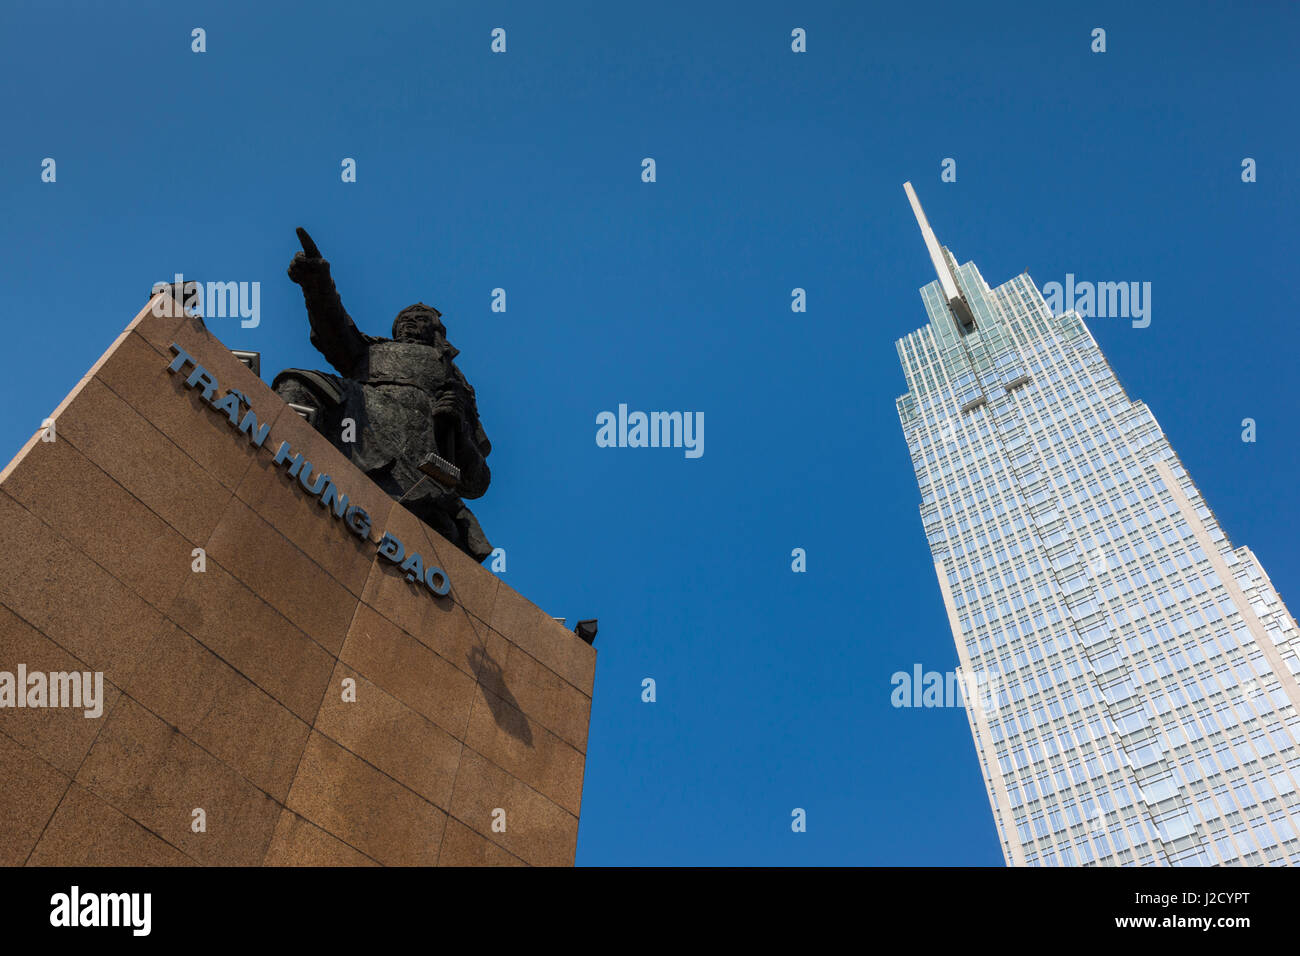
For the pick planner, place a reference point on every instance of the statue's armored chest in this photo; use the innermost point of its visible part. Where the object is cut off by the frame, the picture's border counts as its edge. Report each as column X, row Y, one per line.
column 405, row 363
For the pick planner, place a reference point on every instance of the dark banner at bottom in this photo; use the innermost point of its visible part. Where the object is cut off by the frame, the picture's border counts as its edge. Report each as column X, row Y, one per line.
column 332, row 906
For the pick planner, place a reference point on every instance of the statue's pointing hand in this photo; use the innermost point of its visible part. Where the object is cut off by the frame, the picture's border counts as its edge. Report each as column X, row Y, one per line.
column 309, row 266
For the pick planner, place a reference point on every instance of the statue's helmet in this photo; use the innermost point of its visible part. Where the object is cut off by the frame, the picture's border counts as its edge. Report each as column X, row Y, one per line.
column 419, row 323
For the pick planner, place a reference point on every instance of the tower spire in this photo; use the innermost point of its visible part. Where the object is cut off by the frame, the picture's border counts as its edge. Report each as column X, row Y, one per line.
column 957, row 303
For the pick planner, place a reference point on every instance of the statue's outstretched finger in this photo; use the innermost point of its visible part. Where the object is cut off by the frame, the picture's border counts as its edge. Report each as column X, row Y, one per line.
column 308, row 247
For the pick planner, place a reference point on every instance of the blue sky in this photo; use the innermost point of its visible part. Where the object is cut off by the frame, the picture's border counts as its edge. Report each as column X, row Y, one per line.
column 775, row 170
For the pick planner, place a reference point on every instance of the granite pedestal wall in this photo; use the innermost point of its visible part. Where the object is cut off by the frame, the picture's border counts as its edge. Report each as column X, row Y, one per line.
column 225, row 688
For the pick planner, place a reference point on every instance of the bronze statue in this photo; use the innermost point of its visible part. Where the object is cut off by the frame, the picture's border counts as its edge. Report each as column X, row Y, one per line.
column 416, row 431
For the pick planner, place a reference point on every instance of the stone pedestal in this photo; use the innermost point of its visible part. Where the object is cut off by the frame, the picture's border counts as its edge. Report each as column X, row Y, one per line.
column 225, row 689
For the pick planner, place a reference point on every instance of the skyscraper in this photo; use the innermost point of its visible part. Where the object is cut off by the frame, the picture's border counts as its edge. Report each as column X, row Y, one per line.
column 1131, row 675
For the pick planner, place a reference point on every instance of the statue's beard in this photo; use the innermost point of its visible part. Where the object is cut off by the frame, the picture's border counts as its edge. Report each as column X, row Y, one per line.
column 444, row 348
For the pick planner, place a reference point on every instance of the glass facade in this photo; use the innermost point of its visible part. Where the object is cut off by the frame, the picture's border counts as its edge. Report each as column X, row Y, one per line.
column 1133, row 676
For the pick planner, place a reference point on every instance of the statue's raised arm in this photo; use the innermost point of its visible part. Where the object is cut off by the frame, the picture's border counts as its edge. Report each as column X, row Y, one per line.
column 333, row 332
